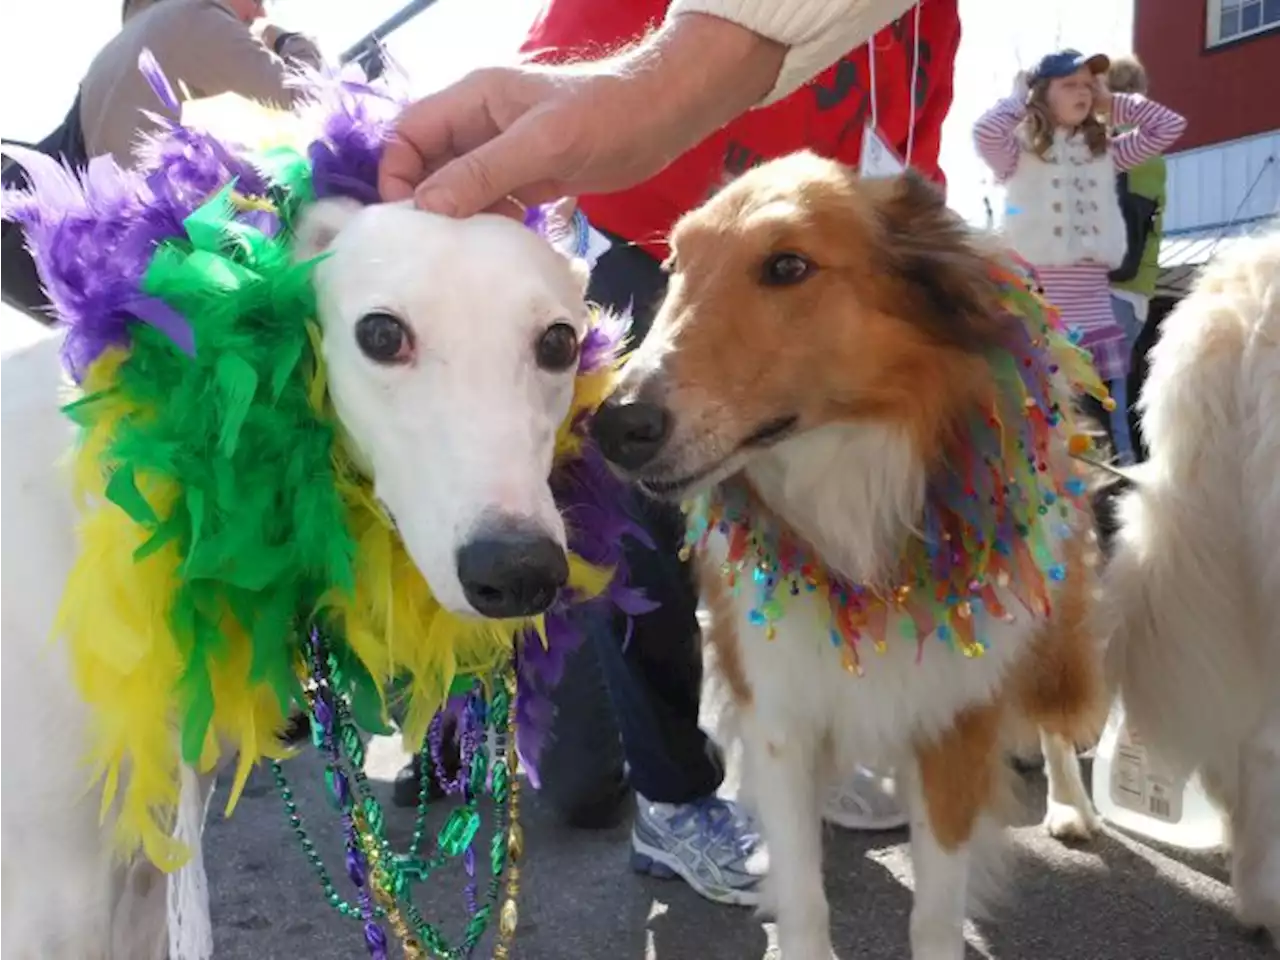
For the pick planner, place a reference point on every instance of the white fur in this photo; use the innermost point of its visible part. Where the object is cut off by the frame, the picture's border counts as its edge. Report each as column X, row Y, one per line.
column 1193, row 592
column 805, row 704
column 463, row 435
column 466, row 435
column 1069, row 813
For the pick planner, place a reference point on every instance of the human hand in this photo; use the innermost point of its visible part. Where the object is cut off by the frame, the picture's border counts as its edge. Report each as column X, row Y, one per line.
column 288, row 44
column 267, row 32
column 1101, row 95
column 536, row 133
column 531, row 133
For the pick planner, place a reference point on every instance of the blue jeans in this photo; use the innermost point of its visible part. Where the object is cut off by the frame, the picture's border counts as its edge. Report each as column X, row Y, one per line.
column 1121, row 436
column 653, row 682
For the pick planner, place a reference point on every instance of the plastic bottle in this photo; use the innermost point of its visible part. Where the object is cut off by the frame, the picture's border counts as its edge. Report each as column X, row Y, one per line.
column 1134, row 791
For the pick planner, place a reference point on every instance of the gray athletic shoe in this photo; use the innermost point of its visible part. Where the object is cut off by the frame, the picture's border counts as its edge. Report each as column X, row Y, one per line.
column 713, row 845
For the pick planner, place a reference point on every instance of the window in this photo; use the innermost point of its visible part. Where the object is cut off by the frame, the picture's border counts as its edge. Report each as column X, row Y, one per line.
column 1233, row 19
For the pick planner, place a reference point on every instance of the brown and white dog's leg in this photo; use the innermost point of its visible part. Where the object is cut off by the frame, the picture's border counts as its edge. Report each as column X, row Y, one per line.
column 1060, row 688
column 785, row 791
column 953, row 785
column 1069, row 813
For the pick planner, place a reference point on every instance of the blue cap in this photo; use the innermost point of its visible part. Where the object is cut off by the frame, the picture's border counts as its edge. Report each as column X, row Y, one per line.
column 1066, row 62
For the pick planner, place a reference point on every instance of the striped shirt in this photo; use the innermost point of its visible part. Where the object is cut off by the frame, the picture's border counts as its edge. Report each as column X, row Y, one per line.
column 1082, row 291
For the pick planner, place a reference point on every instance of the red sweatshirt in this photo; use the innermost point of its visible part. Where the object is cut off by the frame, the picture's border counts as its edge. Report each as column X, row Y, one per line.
column 828, row 115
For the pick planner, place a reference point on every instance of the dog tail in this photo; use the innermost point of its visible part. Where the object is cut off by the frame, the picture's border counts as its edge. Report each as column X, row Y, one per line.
column 1060, row 688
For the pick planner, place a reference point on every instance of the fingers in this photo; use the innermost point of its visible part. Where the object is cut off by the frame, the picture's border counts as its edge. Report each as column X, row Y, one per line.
column 400, row 170
column 510, row 164
column 431, row 132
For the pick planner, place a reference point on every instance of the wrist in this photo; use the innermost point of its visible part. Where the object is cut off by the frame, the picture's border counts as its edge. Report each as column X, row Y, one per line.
column 697, row 73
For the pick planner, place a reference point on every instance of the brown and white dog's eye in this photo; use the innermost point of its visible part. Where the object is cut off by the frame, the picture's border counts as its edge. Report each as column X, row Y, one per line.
column 384, row 338
column 785, row 269
column 557, row 347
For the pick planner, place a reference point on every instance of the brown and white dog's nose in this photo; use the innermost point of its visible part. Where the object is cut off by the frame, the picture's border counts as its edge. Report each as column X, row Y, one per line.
column 630, row 432
column 511, row 571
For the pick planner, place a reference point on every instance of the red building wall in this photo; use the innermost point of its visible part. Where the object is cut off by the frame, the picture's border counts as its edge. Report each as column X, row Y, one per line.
column 1225, row 92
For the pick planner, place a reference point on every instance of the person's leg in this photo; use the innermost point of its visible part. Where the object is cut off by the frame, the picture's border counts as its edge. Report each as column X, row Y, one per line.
column 1118, row 421
column 1138, row 375
column 652, row 680
column 582, row 768
column 1126, row 315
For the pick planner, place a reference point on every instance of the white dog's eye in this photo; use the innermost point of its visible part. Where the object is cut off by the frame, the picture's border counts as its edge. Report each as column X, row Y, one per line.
column 384, row 338
column 557, row 348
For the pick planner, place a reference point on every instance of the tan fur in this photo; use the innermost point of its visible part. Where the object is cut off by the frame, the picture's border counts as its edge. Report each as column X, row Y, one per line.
column 959, row 773
column 722, row 636
column 884, row 330
column 1059, row 684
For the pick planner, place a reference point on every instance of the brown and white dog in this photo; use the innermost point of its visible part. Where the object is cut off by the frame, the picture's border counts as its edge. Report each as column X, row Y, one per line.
column 821, row 339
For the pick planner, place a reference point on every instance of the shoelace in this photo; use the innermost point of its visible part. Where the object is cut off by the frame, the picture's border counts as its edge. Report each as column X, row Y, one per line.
column 717, row 820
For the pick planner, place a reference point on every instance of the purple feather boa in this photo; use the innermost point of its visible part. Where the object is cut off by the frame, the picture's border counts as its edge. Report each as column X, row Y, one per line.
column 92, row 235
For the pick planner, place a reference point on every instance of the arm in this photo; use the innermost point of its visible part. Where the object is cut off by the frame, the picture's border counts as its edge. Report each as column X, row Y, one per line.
column 995, row 136
column 539, row 133
column 815, row 33
column 293, row 48
column 1155, row 129
column 220, row 55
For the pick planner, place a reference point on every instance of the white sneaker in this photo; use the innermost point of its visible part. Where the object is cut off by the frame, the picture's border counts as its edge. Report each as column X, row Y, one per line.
column 865, row 801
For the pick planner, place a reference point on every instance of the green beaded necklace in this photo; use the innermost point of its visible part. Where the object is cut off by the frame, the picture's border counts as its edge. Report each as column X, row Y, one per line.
column 385, row 879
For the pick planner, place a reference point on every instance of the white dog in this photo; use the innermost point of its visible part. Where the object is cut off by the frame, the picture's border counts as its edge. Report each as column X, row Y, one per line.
column 447, row 342
column 1194, row 586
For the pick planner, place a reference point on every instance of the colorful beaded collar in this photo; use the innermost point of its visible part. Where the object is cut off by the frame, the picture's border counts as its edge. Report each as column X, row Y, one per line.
column 1007, row 494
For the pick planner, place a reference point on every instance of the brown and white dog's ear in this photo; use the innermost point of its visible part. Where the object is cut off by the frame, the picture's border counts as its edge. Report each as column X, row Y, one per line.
column 939, row 259
column 320, row 224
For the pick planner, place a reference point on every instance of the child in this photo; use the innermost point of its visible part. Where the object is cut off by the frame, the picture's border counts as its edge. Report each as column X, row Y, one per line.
column 1050, row 145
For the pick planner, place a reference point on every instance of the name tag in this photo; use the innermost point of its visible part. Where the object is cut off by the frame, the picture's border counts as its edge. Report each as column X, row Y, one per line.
column 597, row 246
column 583, row 241
column 878, row 158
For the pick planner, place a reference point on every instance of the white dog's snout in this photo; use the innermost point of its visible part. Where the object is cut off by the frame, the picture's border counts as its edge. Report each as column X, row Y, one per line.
column 510, row 567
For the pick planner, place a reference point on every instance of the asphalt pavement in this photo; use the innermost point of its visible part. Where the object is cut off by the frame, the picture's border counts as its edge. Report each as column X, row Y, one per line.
column 1115, row 899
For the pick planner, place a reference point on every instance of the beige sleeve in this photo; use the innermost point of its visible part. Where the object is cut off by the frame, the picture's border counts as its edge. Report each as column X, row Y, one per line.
column 220, row 55
column 818, row 32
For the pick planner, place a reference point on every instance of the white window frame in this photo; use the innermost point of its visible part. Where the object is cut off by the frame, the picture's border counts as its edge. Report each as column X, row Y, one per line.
column 1213, row 23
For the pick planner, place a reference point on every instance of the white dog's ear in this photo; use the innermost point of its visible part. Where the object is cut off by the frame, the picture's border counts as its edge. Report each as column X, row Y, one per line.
column 320, row 223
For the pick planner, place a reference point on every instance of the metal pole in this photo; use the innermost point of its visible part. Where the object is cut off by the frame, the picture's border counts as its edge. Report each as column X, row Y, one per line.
column 368, row 50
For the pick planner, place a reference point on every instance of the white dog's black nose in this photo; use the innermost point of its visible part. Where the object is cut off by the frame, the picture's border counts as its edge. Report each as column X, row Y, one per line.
column 511, row 571
column 630, row 432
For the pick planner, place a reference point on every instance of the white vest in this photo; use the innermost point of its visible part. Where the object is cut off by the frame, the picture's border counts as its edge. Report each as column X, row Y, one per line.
column 1064, row 209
